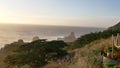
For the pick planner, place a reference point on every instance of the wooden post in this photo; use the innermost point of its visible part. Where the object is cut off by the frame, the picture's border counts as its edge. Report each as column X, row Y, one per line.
column 112, row 46
column 117, row 39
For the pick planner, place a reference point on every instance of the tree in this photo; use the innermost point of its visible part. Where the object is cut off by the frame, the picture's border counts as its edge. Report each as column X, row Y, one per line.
column 37, row 53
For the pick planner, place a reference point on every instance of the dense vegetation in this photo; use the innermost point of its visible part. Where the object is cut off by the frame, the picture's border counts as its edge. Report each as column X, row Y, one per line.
column 36, row 54
column 88, row 38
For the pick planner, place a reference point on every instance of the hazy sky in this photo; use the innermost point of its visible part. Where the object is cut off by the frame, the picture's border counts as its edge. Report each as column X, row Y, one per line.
column 97, row 13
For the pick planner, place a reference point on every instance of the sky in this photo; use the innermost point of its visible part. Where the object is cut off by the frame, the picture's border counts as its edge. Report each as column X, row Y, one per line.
column 92, row 13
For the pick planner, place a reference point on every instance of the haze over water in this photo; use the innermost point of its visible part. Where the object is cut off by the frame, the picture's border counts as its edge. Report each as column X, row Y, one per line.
column 11, row 33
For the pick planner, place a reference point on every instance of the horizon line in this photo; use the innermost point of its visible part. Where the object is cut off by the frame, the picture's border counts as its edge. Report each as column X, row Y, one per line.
column 50, row 25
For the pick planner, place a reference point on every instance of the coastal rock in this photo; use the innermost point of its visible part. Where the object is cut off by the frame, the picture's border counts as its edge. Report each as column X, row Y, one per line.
column 35, row 38
column 20, row 41
column 69, row 38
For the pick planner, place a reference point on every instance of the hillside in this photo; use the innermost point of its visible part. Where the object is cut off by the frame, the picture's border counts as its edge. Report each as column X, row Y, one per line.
column 115, row 27
column 85, row 57
column 7, row 50
column 90, row 55
column 88, row 38
column 40, row 51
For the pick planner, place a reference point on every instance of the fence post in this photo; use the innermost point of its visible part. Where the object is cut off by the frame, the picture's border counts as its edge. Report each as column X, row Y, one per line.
column 118, row 39
column 112, row 46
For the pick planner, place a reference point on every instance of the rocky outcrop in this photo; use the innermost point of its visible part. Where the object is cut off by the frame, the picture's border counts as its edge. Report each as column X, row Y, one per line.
column 69, row 38
column 35, row 38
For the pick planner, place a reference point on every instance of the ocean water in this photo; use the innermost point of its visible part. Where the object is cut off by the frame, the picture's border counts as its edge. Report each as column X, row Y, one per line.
column 10, row 33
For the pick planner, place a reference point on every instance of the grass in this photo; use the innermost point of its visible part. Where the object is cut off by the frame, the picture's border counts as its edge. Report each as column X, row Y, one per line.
column 90, row 55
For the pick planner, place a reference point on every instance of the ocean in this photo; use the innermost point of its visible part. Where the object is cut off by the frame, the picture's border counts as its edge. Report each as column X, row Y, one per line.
column 10, row 33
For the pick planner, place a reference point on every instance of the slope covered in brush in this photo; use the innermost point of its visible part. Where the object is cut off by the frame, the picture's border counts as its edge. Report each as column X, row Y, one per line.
column 88, row 38
column 89, row 56
column 115, row 27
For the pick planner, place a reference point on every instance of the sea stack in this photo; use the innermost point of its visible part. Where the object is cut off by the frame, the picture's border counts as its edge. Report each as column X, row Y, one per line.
column 20, row 41
column 35, row 38
column 69, row 38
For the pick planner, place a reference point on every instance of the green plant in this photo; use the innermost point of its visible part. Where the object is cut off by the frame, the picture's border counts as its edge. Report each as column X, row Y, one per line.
column 108, row 65
column 116, row 66
column 108, row 49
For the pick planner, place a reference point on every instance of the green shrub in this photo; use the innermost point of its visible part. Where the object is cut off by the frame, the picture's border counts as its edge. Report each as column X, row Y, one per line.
column 116, row 67
column 108, row 65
